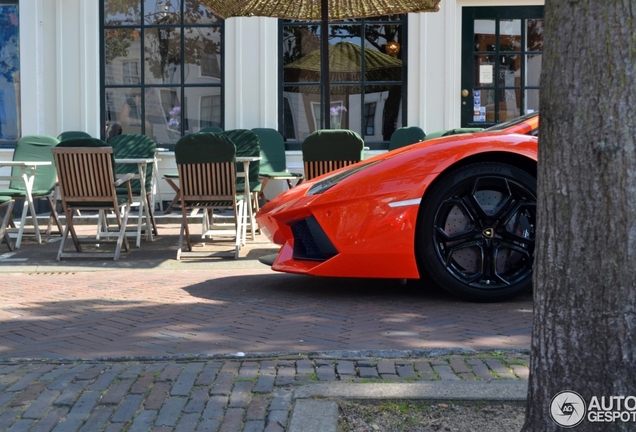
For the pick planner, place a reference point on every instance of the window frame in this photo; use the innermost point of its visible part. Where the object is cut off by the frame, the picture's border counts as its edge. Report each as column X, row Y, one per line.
column 12, row 143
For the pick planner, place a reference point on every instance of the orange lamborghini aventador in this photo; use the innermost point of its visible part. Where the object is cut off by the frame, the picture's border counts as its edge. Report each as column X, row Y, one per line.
column 461, row 208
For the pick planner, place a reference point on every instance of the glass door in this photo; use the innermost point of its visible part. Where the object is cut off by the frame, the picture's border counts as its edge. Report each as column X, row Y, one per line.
column 501, row 63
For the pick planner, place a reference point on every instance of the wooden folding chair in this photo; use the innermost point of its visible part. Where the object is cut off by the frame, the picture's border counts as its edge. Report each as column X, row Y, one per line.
column 87, row 182
column 328, row 150
column 206, row 163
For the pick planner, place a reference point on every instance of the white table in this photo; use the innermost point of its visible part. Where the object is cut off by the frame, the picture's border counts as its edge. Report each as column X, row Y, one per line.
column 27, row 175
column 142, row 165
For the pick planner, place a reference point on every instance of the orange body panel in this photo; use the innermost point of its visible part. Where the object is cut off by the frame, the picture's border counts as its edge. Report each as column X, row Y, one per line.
column 371, row 216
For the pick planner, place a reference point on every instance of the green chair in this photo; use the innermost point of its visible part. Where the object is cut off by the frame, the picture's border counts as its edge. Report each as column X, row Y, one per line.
column 6, row 203
column 30, row 182
column 72, row 134
column 330, row 149
column 448, row 132
column 273, row 165
column 138, row 150
column 406, row 136
column 206, row 163
column 211, row 129
column 87, row 182
column 247, row 144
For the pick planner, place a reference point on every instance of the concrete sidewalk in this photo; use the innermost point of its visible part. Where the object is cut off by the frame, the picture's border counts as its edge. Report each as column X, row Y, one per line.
column 151, row 343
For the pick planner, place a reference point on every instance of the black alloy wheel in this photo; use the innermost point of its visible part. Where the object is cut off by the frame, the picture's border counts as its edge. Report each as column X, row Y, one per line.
column 476, row 231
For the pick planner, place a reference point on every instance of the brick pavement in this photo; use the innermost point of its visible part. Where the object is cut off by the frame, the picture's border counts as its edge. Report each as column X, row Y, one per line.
column 214, row 395
column 148, row 343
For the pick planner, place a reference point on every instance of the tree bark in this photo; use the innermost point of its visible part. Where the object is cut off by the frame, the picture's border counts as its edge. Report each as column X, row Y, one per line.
column 584, row 328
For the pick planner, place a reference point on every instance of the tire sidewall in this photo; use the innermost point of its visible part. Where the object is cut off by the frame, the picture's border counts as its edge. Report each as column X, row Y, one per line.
column 426, row 250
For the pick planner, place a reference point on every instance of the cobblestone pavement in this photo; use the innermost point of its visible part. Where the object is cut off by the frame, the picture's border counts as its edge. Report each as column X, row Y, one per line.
column 215, row 395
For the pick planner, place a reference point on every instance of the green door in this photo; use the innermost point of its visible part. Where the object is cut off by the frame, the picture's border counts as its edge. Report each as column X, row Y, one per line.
column 501, row 63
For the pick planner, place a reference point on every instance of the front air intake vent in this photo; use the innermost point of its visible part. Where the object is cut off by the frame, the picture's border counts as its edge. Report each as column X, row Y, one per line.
column 310, row 241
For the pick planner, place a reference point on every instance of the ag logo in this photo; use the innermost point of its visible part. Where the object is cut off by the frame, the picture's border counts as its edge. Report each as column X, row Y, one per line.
column 567, row 409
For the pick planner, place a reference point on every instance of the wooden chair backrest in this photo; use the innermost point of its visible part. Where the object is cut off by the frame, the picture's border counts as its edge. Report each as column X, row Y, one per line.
column 210, row 182
column 85, row 176
column 318, row 168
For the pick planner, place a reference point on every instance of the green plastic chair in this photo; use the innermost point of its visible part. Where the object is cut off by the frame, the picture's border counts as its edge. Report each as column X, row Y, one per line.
column 330, row 149
column 406, row 136
column 72, row 134
column 6, row 203
column 206, row 163
column 211, row 129
column 34, row 148
column 448, row 132
column 137, row 146
column 273, row 164
column 247, row 144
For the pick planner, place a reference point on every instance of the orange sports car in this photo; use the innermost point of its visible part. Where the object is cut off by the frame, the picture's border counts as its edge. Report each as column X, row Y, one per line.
column 461, row 208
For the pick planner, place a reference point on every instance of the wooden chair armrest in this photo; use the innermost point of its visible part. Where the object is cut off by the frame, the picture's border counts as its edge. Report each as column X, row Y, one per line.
column 124, row 178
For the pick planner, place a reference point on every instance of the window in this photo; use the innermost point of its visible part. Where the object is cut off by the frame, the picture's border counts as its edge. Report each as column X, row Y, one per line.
column 369, row 118
column 366, row 81
column 9, row 73
column 158, row 56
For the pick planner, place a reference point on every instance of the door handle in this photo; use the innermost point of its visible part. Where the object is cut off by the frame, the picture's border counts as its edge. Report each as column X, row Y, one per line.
column 465, row 93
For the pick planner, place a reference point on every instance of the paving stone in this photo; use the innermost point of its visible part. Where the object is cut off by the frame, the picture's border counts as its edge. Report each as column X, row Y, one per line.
column 8, row 417
column 274, row 427
column 21, row 426
column 223, row 384
column 268, row 367
column 198, row 400
column 48, row 422
column 326, row 373
column 521, row 371
column 368, row 372
column 194, row 367
column 6, row 398
column 71, row 393
column 254, row 426
column 132, row 372
column 143, row 383
column 281, row 400
column 445, row 373
column 233, row 420
column 502, row 371
column 187, row 423
column 183, row 384
column 170, row 373
column 248, row 370
column 64, row 379
column 386, row 367
column 257, row 409
column 98, row 419
column 170, row 411
column 127, row 408
column 278, row 416
column 41, row 404
column 143, row 421
column 208, row 374
column 367, row 363
column 241, row 394
column 215, row 408
column 304, row 367
column 27, row 379
column 406, row 371
column 91, row 373
column 106, row 378
column 231, row 367
column 117, row 392
column 29, row 394
column 264, row 384
column 208, row 425
column 468, row 376
column 480, row 370
column 345, row 367
column 156, row 397
column 458, row 364
column 79, row 412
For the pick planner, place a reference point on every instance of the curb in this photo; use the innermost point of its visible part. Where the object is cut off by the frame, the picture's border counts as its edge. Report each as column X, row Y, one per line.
column 316, row 415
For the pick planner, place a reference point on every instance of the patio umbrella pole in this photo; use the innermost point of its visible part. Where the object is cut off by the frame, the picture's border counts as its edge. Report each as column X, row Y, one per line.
column 324, row 63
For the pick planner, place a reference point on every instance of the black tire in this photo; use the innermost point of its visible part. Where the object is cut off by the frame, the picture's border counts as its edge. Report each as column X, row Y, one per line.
column 476, row 231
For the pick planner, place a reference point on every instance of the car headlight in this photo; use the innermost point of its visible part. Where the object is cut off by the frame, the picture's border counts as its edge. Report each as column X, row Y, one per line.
column 334, row 179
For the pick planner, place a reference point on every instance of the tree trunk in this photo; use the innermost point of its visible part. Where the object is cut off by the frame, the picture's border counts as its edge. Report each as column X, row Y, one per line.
column 584, row 329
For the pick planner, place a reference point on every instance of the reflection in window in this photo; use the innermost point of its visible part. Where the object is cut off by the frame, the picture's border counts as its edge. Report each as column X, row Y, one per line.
column 9, row 72
column 162, row 63
column 366, row 68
